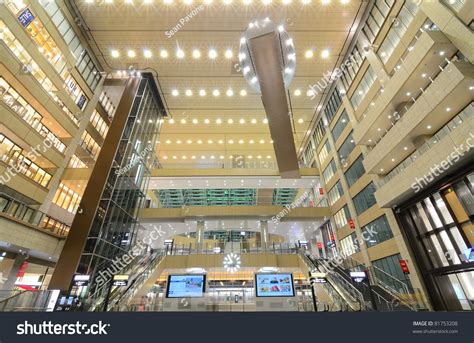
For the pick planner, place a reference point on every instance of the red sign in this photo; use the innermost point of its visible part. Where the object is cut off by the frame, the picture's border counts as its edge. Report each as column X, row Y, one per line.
column 351, row 224
column 22, row 270
column 320, row 245
column 321, row 191
column 403, row 265
column 332, row 237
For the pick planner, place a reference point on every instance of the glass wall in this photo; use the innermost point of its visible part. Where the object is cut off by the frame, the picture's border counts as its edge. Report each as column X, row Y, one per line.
column 324, row 152
column 340, row 125
column 377, row 231
column 355, row 171
column 335, row 193
column 346, row 147
column 329, row 171
column 342, row 216
column 67, row 198
column 365, row 199
column 349, row 245
column 388, row 271
column 363, row 87
column 440, row 228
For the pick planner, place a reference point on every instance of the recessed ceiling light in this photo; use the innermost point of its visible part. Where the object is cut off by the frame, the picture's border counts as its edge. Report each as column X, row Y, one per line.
column 242, row 121
column 189, row 141
column 171, row 121
column 174, row 157
column 381, row 169
column 165, row 157
column 300, row 121
column 228, row 54
column 164, row 53
column 405, row 148
column 441, row 53
column 196, row 53
column 183, row 121
column 115, row 53
column 251, row 141
column 229, row 92
column 184, row 157
column 193, row 157
column 428, row 127
column 199, row 141
column 393, row 160
column 216, row 92
column 423, row 75
column 408, row 93
column 265, row 121
column 202, row 92
column 168, row 141
column 254, row 121
column 243, row 92
column 212, row 54
column 268, row 156
column 231, row 142
column 261, row 141
column 174, row 92
column 180, row 53
column 195, row 121
column 218, row 121
column 147, row 53
column 189, row 92
column 309, row 53
column 131, row 53
column 325, row 53
column 206, row 121
column 448, row 109
column 241, row 141
column 297, row 92
column 267, row 2
column 220, row 141
column 210, row 141
column 230, row 121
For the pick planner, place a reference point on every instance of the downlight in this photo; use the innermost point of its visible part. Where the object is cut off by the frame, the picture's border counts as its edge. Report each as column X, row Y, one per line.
column 285, row 46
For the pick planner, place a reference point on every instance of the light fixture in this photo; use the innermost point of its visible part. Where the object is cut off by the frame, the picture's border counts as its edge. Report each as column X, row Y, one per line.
column 243, row 92
column 265, row 121
column 115, row 53
column 297, row 92
column 254, row 121
column 195, row 121
column 206, row 121
column 196, row 54
column 202, row 92
column 183, row 121
column 309, row 53
column 242, row 121
column 164, row 53
column 180, row 53
column 325, row 53
column 232, row 262
column 228, row 54
column 147, row 53
column 300, row 121
column 212, row 54
column 229, row 92
column 131, row 53
column 230, row 121
column 188, row 92
column 171, row 121
column 216, row 92
column 174, row 92
column 218, row 121
column 429, row 127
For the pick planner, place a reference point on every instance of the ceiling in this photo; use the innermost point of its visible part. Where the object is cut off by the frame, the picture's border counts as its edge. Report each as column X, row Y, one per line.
column 209, row 128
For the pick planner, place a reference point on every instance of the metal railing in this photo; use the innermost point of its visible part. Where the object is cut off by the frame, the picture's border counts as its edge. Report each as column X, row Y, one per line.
column 25, row 301
column 10, row 207
column 235, row 247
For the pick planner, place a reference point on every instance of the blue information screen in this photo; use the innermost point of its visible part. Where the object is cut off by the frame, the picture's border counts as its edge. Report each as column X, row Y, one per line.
column 26, row 17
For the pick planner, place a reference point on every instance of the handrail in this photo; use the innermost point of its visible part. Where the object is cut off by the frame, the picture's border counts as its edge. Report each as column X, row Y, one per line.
column 31, row 216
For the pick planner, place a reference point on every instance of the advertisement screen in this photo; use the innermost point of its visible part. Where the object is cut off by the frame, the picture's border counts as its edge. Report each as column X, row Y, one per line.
column 186, row 286
column 274, row 285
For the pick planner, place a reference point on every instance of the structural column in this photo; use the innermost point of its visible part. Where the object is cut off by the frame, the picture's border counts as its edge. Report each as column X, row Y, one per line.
column 199, row 235
column 264, row 234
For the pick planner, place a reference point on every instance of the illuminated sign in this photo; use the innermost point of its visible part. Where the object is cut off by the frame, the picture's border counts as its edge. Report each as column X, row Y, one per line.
column 81, row 280
column 26, row 17
column 358, row 276
column 403, row 265
column 120, row 280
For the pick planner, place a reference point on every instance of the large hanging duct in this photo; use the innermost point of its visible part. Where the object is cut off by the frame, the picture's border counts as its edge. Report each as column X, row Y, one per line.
column 267, row 59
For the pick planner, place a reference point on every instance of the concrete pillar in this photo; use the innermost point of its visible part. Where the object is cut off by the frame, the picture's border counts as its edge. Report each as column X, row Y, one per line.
column 264, row 234
column 199, row 235
column 377, row 66
column 8, row 280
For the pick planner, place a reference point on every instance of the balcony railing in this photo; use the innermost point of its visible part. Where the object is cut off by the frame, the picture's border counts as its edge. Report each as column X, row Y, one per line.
column 19, row 211
column 450, row 126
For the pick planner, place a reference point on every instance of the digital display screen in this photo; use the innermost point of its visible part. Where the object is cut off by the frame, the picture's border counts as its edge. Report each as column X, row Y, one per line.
column 186, row 286
column 274, row 285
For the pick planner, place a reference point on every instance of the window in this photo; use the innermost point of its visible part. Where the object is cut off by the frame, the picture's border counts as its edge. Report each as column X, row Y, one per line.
column 355, row 171
column 309, row 153
column 349, row 245
column 365, row 199
column 396, row 32
column 395, row 279
column 324, row 153
column 332, row 105
column 90, row 145
column 346, row 147
column 340, row 125
column 342, row 216
column 377, row 231
column 363, row 87
column 330, row 170
column 335, row 193
column 319, row 132
column 19, row 162
column 67, row 198
column 75, row 162
column 99, row 123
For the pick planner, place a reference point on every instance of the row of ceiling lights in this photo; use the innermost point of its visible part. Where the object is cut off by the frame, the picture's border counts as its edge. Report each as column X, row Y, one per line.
column 229, row 92
column 220, row 141
column 219, row 121
column 196, row 53
column 212, row 157
column 208, row 2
